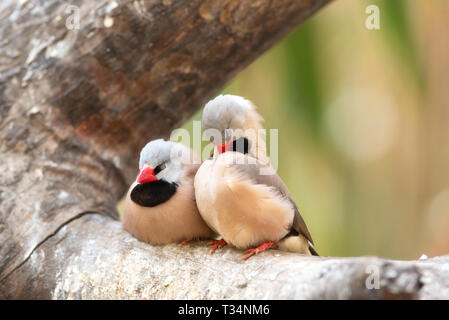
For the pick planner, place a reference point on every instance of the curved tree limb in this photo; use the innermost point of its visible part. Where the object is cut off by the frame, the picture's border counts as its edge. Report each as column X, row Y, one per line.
column 94, row 258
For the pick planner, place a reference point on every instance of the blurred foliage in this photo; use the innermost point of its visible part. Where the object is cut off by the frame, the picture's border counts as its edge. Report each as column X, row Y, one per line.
column 363, row 123
column 400, row 33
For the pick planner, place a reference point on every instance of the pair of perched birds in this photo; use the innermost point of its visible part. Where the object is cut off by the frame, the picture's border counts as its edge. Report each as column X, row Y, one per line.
column 235, row 194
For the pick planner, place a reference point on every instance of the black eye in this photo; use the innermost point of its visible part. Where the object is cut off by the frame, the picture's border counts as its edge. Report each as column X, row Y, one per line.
column 159, row 168
column 212, row 139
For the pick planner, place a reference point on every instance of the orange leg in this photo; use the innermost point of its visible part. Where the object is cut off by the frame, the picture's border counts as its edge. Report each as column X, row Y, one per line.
column 264, row 246
column 217, row 244
column 184, row 242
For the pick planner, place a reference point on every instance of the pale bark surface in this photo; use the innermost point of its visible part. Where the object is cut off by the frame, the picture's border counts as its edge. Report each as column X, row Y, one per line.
column 77, row 105
column 94, row 258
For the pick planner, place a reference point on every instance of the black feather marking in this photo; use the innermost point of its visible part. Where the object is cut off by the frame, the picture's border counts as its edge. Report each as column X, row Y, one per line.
column 153, row 193
column 313, row 251
column 294, row 233
column 240, row 145
column 291, row 233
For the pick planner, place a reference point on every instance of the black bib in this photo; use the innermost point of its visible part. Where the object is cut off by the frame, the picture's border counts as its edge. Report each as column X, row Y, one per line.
column 153, row 193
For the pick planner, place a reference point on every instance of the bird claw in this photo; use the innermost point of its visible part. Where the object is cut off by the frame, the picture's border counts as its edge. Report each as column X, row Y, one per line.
column 264, row 246
column 184, row 242
column 217, row 244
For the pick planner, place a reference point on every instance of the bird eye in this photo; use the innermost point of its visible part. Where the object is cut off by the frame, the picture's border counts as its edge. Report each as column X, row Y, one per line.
column 211, row 139
column 159, row 168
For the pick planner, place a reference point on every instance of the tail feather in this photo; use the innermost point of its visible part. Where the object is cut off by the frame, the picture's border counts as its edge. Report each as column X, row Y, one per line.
column 313, row 251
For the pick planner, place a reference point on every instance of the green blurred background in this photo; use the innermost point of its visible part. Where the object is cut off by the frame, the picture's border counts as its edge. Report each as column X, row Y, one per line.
column 363, row 121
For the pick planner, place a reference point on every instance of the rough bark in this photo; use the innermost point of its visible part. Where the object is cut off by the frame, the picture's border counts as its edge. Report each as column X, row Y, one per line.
column 75, row 108
column 92, row 257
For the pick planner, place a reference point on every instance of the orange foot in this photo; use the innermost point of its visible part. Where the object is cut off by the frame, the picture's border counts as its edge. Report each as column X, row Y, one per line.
column 264, row 246
column 184, row 242
column 217, row 244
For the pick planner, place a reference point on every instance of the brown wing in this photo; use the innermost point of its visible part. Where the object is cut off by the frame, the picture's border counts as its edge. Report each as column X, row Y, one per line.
column 253, row 172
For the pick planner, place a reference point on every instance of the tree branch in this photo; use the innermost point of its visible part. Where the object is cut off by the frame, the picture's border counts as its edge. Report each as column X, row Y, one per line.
column 94, row 258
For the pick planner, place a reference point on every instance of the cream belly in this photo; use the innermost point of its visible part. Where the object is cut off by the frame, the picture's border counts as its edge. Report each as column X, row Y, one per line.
column 242, row 212
column 175, row 220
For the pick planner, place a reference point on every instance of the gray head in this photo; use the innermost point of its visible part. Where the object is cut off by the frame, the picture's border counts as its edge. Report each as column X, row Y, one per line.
column 165, row 159
column 229, row 117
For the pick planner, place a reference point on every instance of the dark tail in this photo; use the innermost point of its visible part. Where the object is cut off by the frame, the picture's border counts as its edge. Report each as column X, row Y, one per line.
column 312, row 251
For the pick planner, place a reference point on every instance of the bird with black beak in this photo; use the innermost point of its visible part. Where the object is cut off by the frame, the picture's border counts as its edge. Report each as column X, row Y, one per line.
column 238, row 193
column 160, row 205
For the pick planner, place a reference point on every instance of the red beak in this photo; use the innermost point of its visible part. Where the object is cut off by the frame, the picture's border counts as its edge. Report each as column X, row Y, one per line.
column 224, row 147
column 146, row 174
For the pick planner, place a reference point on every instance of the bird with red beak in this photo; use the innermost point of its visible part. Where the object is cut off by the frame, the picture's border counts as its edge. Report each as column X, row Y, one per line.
column 160, row 205
column 238, row 193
